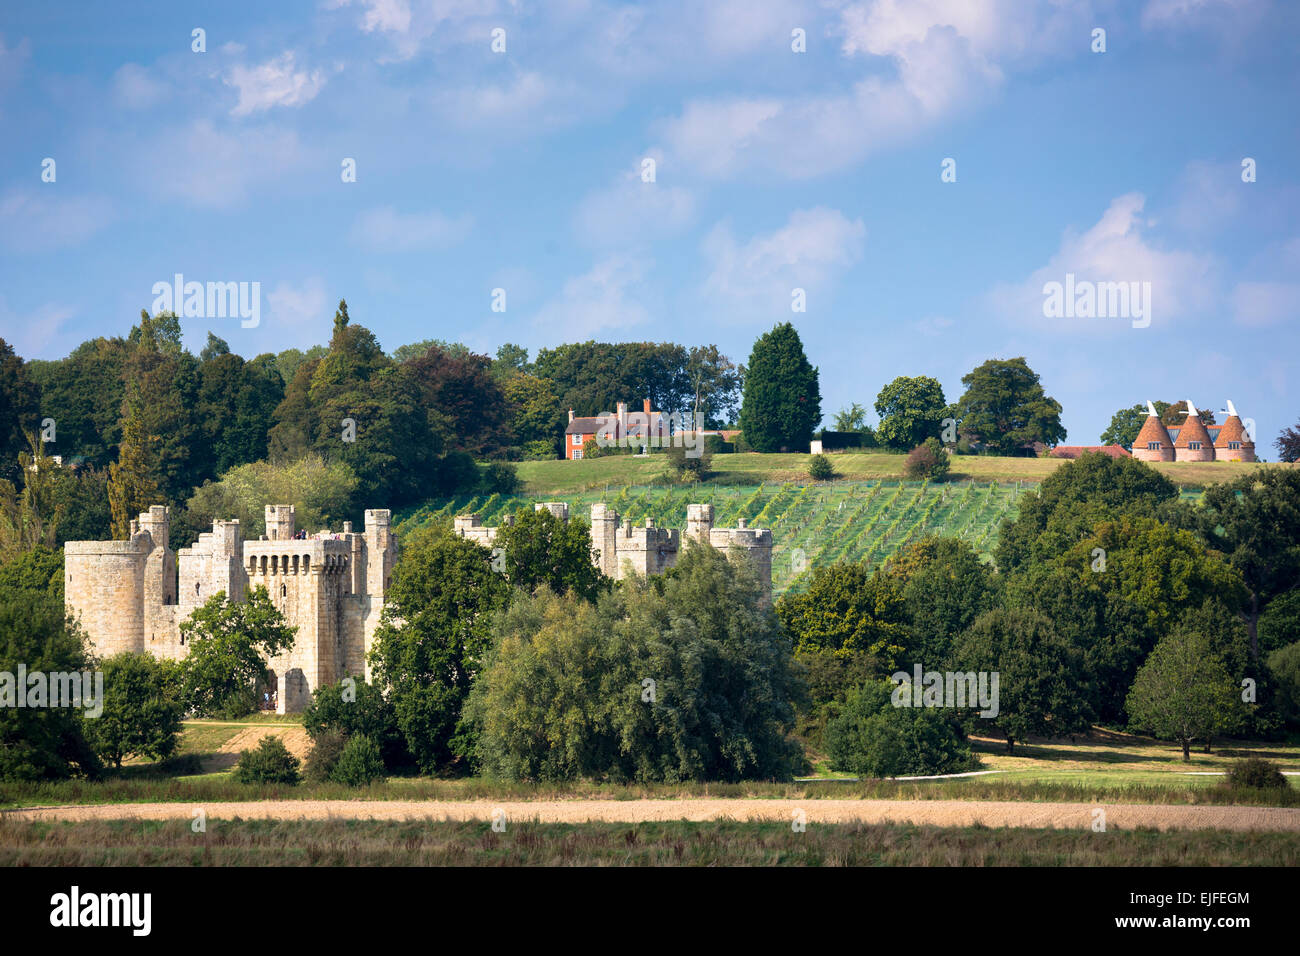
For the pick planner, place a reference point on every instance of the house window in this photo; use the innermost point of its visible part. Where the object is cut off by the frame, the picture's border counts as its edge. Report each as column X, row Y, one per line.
column 1153, row 446
column 577, row 441
column 1193, row 446
column 577, row 454
column 1234, row 444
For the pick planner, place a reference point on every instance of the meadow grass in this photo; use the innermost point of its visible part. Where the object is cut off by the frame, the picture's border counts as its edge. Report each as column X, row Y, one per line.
column 716, row 843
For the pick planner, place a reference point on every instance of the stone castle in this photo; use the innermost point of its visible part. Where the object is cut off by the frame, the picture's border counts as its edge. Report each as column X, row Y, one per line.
column 132, row 595
column 621, row 549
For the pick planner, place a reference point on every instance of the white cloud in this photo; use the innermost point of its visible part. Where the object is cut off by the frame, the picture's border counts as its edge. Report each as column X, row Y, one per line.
column 299, row 305
column 1115, row 250
column 217, row 168
column 387, row 229
column 273, row 83
column 938, row 57
column 37, row 219
column 631, row 210
column 756, row 278
column 135, row 88
column 602, row 299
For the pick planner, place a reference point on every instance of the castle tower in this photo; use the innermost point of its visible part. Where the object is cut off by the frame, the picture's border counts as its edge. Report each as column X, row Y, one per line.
column 279, row 522
column 1193, row 441
column 381, row 555
column 104, row 586
column 699, row 522
column 1153, row 442
column 604, row 538
column 751, row 544
column 1233, row 441
column 558, row 508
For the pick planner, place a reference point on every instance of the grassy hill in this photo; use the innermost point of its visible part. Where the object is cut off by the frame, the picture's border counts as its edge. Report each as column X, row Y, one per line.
column 562, row 477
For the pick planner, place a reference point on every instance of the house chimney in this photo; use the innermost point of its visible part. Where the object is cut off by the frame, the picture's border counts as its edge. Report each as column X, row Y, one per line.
column 646, row 405
column 571, row 416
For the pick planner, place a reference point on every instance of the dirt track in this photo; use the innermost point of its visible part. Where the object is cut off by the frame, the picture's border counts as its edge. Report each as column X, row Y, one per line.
column 932, row 812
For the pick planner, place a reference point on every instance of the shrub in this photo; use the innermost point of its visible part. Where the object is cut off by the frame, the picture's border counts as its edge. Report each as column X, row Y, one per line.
column 873, row 738
column 927, row 460
column 717, row 445
column 325, row 751
column 359, row 763
column 539, row 450
column 1284, row 667
column 820, row 468
column 271, row 762
column 360, row 708
column 684, row 467
column 1256, row 773
column 500, row 478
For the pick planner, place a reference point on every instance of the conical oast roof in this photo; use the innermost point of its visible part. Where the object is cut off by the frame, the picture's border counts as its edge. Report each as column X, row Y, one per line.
column 1153, row 429
column 1232, row 430
column 1193, row 430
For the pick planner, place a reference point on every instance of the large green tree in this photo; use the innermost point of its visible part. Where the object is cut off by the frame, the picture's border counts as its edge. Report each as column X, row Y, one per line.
column 911, row 409
column 1255, row 522
column 782, row 404
column 1124, row 426
column 1039, row 674
column 433, row 640
column 1005, row 407
column 847, row 609
column 230, row 644
column 540, row 550
column 141, row 714
column 1184, row 692
column 19, row 412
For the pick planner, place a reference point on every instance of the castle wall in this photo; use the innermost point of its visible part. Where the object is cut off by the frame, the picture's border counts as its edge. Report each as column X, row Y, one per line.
column 133, row 595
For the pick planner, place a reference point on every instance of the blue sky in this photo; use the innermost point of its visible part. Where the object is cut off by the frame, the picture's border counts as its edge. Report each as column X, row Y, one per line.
column 775, row 170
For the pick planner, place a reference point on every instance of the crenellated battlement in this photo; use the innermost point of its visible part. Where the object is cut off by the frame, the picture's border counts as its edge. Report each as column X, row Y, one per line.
column 620, row 547
column 133, row 595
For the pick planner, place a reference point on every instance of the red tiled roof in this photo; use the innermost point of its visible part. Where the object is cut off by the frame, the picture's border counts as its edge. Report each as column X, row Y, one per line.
column 1153, row 429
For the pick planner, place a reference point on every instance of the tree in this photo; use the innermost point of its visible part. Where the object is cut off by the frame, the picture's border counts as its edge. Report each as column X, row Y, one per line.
column 715, row 386
column 847, row 609
column 536, row 412
column 1124, row 426
column 872, row 738
column 1288, row 444
column 83, row 394
column 1183, row 692
column 945, row 587
column 40, row 743
column 19, row 397
column 911, row 410
column 851, row 419
column 462, row 388
column 433, row 639
column 355, row 707
column 30, row 518
column 141, row 715
column 820, row 468
column 681, row 677
column 230, row 644
column 131, row 485
column 321, row 492
column 538, row 549
column 1175, row 413
column 236, row 400
column 511, row 360
column 1038, row 674
column 927, row 460
column 1005, row 407
column 270, row 762
column 1073, row 499
column 592, row 377
column 782, row 404
column 359, row 764
column 1255, row 522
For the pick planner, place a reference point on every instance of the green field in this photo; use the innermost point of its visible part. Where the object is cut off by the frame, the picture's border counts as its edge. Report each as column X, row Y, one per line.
column 811, row 523
column 719, row 843
column 566, row 477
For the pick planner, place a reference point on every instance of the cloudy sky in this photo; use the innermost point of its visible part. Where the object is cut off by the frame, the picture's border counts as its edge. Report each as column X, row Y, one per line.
column 775, row 169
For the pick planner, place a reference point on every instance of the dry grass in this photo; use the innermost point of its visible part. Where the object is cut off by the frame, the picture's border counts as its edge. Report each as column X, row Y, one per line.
column 722, row 843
